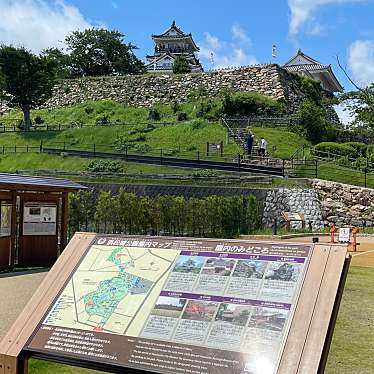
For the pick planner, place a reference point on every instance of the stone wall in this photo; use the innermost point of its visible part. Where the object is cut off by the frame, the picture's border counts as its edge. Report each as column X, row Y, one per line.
column 343, row 204
column 148, row 89
column 293, row 200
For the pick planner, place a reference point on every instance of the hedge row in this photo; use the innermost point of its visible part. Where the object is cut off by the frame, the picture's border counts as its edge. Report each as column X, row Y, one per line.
column 349, row 149
column 125, row 213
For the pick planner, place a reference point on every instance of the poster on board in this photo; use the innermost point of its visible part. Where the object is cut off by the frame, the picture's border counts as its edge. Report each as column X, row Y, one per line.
column 5, row 219
column 344, row 234
column 39, row 219
column 177, row 305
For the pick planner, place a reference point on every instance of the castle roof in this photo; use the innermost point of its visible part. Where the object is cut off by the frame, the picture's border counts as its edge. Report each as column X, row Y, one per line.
column 301, row 57
column 306, row 65
column 175, row 33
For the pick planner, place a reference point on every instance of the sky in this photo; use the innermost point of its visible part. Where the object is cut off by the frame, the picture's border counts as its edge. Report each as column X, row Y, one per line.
column 237, row 32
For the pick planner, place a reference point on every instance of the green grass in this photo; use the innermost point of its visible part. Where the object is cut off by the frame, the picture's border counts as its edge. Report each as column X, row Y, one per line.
column 191, row 135
column 25, row 162
column 330, row 171
column 351, row 351
column 282, row 143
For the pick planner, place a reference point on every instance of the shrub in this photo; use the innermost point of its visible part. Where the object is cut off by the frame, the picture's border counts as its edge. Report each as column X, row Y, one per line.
column 198, row 124
column 122, row 143
column 103, row 120
column 192, row 148
column 203, row 173
column 311, row 123
column 38, row 120
column 325, row 148
column 181, row 65
column 142, row 148
column 182, row 116
column 177, row 215
column 175, row 107
column 102, row 166
column 248, row 104
column 88, row 109
column 140, row 138
column 370, row 149
column 169, row 152
column 154, row 114
column 208, row 109
column 359, row 147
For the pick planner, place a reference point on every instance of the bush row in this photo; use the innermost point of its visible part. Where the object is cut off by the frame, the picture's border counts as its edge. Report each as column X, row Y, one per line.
column 125, row 213
column 349, row 149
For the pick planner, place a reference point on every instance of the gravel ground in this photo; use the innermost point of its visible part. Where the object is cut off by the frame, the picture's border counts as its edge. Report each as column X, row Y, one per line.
column 16, row 290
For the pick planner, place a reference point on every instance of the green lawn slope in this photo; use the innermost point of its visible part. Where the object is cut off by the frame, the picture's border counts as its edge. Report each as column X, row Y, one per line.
column 181, row 139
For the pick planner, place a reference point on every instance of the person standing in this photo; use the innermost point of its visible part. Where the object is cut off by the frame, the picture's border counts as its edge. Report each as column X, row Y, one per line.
column 249, row 143
column 263, row 147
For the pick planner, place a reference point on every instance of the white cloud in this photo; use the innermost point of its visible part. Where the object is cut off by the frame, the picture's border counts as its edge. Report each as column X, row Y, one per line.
column 225, row 54
column 361, row 61
column 212, row 41
column 303, row 12
column 240, row 34
column 38, row 24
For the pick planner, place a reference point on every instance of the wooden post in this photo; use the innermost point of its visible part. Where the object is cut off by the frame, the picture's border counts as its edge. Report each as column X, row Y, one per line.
column 64, row 221
column 207, row 149
column 13, row 229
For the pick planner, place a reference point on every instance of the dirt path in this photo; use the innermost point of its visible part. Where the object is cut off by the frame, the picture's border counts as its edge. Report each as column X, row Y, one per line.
column 15, row 291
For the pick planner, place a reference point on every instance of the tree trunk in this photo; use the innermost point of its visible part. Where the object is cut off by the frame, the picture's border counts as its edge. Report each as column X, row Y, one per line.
column 26, row 118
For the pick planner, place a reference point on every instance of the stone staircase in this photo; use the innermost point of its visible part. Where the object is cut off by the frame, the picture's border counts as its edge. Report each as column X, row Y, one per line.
column 239, row 135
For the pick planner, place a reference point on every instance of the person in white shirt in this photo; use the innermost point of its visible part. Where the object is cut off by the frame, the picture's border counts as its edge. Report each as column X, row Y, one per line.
column 263, row 147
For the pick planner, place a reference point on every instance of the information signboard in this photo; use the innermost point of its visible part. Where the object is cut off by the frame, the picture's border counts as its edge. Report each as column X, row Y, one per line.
column 344, row 234
column 5, row 219
column 39, row 219
column 176, row 305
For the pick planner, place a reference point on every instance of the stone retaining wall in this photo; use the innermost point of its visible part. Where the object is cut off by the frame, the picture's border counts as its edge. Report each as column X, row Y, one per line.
column 148, row 89
column 343, row 204
column 295, row 201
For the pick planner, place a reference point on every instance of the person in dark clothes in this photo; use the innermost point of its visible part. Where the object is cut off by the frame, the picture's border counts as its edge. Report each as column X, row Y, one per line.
column 249, row 143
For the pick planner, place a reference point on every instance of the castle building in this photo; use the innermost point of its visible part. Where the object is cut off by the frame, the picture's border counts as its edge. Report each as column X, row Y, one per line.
column 308, row 66
column 168, row 46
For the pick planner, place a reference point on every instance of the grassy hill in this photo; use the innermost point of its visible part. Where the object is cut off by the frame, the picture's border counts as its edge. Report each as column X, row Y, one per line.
column 129, row 125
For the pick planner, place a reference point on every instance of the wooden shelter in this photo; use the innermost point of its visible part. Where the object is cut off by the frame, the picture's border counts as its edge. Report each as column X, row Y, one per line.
column 33, row 219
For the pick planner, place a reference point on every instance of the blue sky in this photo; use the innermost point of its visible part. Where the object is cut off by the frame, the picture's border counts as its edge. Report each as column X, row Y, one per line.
column 238, row 32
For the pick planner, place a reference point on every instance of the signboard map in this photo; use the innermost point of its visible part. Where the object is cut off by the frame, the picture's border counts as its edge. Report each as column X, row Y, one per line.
column 39, row 219
column 177, row 305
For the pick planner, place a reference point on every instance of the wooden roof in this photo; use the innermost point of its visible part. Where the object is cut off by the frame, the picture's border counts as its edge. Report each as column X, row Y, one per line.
column 34, row 183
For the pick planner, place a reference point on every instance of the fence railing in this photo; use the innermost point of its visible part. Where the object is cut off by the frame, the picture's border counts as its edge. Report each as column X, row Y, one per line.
column 76, row 125
column 259, row 121
column 293, row 168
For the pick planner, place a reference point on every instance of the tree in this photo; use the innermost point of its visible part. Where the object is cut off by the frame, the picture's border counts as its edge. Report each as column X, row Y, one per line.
column 26, row 80
column 312, row 123
column 181, row 65
column 61, row 61
column 96, row 52
column 360, row 104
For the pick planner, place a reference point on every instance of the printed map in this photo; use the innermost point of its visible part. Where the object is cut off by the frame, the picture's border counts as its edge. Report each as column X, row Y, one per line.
column 110, row 287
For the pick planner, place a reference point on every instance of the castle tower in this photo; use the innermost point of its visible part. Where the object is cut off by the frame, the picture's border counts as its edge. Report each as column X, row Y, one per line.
column 305, row 65
column 168, row 46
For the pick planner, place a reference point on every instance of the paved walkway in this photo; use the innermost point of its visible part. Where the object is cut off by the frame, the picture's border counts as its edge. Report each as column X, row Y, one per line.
column 16, row 290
